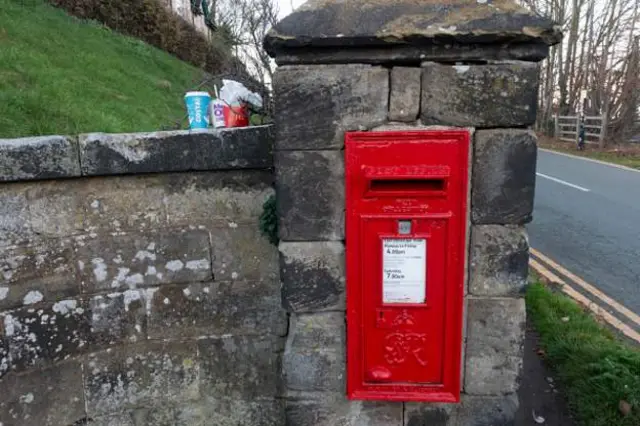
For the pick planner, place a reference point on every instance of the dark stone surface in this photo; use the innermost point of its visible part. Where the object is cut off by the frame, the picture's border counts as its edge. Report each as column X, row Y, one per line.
column 242, row 253
column 404, row 100
column 132, row 260
column 45, row 333
column 246, row 368
column 314, row 359
column 499, row 260
column 495, row 344
column 317, row 104
column 334, row 409
column 215, row 309
column 423, row 414
column 310, row 188
column 45, row 157
column 5, row 360
column 223, row 411
column 44, row 270
column 118, row 318
column 482, row 96
column 312, row 276
column 504, row 177
column 113, row 154
column 487, row 411
column 414, row 55
column 151, row 373
column 51, row 397
column 358, row 23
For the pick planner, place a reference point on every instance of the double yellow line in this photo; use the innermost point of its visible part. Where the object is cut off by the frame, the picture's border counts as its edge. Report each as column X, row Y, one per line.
column 543, row 265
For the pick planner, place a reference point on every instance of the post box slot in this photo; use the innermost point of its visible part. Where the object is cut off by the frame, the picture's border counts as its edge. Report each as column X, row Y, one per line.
column 411, row 185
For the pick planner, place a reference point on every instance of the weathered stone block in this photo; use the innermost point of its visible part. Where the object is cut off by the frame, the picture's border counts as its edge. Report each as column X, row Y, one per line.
column 42, row 271
column 244, row 368
column 5, row 361
column 245, row 307
column 495, row 95
column 499, row 260
column 404, row 102
column 425, row 414
column 310, row 187
column 317, row 104
column 124, row 203
column 55, row 208
column 124, row 260
column 122, row 419
column 118, row 317
column 314, row 358
column 45, row 157
column 334, row 409
column 50, row 397
column 504, row 176
column 133, row 375
column 166, row 414
column 14, row 215
column 241, row 253
column 495, row 345
column 224, row 197
column 114, row 154
column 223, row 411
column 312, row 275
column 46, row 333
column 482, row 411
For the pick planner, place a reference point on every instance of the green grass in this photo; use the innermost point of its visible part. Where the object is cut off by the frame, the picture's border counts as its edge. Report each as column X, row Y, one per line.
column 627, row 155
column 596, row 369
column 622, row 159
column 60, row 75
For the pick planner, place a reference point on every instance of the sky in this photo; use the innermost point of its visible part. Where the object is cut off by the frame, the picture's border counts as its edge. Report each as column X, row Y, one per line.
column 285, row 6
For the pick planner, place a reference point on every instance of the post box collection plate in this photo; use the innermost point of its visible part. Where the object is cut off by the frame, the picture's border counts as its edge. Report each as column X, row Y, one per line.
column 406, row 230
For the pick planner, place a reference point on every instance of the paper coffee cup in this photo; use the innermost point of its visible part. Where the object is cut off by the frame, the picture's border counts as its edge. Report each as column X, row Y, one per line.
column 198, row 109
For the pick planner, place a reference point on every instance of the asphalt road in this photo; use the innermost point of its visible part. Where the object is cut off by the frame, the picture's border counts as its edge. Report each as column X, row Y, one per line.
column 587, row 219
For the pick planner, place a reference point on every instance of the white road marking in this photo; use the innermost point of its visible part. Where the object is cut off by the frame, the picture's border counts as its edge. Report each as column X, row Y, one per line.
column 563, row 182
column 598, row 310
column 592, row 160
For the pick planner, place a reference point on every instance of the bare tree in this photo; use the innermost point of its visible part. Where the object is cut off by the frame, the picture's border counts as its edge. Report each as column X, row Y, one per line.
column 599, row 56
column 246, row 23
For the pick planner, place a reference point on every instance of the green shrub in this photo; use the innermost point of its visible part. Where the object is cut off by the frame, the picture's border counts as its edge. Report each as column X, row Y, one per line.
column 152, row 22
column 269, row 220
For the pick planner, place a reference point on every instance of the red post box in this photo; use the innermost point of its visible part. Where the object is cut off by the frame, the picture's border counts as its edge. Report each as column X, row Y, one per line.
column 406, row 231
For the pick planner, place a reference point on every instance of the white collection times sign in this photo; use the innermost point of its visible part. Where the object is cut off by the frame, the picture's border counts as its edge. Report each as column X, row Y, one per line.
column 404, row 270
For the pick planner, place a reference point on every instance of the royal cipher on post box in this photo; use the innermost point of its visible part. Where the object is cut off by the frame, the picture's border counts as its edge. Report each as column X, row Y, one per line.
column 406, row 231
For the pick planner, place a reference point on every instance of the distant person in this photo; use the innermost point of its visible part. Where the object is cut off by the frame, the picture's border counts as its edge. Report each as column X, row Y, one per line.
column 581, row 135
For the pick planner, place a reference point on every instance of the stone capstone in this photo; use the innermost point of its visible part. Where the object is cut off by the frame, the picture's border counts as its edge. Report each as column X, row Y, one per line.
column 504, row 176
column 43, row 157
column 317, row 104
column 321, row 24
column 113, row 154
column 499, row 260
column 481, row 96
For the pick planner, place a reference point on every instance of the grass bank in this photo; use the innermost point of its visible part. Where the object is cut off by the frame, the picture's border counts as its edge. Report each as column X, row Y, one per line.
column 597, row 371
column 61, row 75
column 627, row 155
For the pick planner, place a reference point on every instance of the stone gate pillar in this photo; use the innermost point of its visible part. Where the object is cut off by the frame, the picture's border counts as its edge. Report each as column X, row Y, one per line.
column 405, row 64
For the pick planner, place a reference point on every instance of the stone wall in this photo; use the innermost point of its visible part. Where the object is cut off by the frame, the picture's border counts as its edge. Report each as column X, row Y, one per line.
column 495, row 102
column 135, row 285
